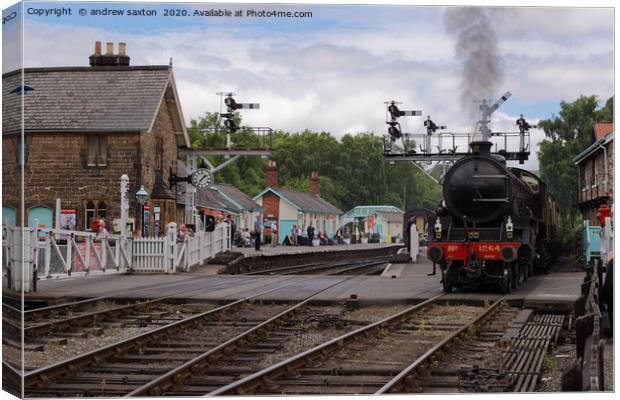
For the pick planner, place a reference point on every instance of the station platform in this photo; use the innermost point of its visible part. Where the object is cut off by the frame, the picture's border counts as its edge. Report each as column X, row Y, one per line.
column 268, row 250
column 400, row 283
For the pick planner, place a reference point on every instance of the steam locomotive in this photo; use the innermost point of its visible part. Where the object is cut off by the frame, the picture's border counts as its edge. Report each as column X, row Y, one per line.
column 496, row 225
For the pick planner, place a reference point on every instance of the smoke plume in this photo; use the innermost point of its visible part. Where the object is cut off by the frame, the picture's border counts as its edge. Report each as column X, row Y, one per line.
column 476, row 49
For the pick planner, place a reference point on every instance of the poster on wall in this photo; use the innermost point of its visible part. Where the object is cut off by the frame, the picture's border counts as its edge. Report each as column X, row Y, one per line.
column 157, row 220
column 68, row 218
column 145, row 220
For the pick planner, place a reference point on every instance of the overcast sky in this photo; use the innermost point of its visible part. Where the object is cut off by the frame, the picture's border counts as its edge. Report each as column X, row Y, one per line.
column 333, row 71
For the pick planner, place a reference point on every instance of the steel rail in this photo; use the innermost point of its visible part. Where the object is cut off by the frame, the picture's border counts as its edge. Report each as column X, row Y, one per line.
column 399, row 379
column 38, row 312
column 367, row 265
column 157, row 386
column 250, row 382
column 313, row 267
column 45, row 374
column 11, row 310
column 11, row 379
column 102, row 315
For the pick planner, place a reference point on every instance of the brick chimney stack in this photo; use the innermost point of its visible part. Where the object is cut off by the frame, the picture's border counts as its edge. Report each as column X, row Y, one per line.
column 109, row 59
column 315, row 186
column 272, row 174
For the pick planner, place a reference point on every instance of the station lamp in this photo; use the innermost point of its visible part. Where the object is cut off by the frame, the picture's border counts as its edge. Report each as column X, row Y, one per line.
column 141, row 196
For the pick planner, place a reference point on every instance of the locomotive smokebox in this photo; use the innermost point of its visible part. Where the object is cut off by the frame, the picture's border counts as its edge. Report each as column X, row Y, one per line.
column 478, row 187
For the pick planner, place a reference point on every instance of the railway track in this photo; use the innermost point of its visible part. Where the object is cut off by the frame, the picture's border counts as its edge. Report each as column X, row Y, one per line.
column 123, row 367
column 362, row 361
column 367, row 266
column 91, row 317
column 493, row 360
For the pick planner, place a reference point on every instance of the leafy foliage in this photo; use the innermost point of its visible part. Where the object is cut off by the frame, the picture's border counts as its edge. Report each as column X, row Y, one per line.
column 567, row 135
column 352, row 170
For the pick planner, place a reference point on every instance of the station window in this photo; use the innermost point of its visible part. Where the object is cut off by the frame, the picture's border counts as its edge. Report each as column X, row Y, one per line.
column 97, row 150
column 89, row 214
column 92, row 210
column 101, row 210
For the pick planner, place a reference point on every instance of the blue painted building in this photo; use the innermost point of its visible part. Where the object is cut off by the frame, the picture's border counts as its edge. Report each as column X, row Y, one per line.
column 385, row 220
column 289, row 207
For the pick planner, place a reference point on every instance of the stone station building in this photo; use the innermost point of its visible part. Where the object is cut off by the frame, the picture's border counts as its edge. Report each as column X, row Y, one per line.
column 84, row 127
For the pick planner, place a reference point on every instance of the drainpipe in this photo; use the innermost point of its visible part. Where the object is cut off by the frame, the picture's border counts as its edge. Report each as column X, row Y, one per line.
column 601, row 146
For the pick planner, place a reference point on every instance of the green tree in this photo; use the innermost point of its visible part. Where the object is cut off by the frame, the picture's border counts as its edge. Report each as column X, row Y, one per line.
column 352, row 170
column 567, row 135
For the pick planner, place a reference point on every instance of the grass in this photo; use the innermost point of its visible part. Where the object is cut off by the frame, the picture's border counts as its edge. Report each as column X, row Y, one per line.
column 548, row 363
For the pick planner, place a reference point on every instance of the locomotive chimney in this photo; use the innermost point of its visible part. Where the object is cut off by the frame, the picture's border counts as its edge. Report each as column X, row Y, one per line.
column 482, row 147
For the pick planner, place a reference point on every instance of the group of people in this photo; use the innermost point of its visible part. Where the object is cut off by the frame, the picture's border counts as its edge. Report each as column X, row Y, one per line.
column 265, row 231
column 296, row 236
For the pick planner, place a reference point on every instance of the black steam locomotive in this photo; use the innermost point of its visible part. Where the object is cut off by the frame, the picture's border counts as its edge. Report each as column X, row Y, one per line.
column 496, row 224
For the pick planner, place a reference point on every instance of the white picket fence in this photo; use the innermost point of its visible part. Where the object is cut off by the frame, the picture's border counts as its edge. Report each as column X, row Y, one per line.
column 57, row 253
column 153, row 255
column 167, row 254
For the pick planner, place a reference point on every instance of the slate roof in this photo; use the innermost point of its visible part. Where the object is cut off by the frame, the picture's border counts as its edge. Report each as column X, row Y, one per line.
column 211, row 198
column 305, row 201
column 237, row 196
column 393, row 217
column 101, row 99
column 365, row 211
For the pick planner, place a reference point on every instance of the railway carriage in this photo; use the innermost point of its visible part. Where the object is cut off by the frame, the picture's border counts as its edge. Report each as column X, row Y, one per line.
column 496, row 224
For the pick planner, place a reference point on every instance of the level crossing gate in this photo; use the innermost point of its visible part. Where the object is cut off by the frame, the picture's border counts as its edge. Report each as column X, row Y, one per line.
column 56, row 253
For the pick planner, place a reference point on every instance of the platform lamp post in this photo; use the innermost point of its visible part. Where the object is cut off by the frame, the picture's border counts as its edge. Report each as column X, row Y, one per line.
column 141, row 196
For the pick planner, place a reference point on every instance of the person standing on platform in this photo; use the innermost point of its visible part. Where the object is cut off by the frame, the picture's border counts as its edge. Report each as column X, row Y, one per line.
column 300, row 234
column 232, row 228
column 274, row 233
column 266, row 231
column 310, row 234
column 258, row 228
column 294, row 235
column 408, row 233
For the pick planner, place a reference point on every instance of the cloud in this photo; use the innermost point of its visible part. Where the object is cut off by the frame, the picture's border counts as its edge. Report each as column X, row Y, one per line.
column 11, row 38
column 553, row 22
column 336, row 76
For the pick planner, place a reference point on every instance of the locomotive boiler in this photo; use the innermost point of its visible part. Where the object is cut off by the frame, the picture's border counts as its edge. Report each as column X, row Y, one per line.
column 495, row 225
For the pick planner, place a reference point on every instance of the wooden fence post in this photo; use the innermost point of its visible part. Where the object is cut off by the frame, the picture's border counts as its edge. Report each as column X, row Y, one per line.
column 172, row 245
column 69, row 258
column 48, row 254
